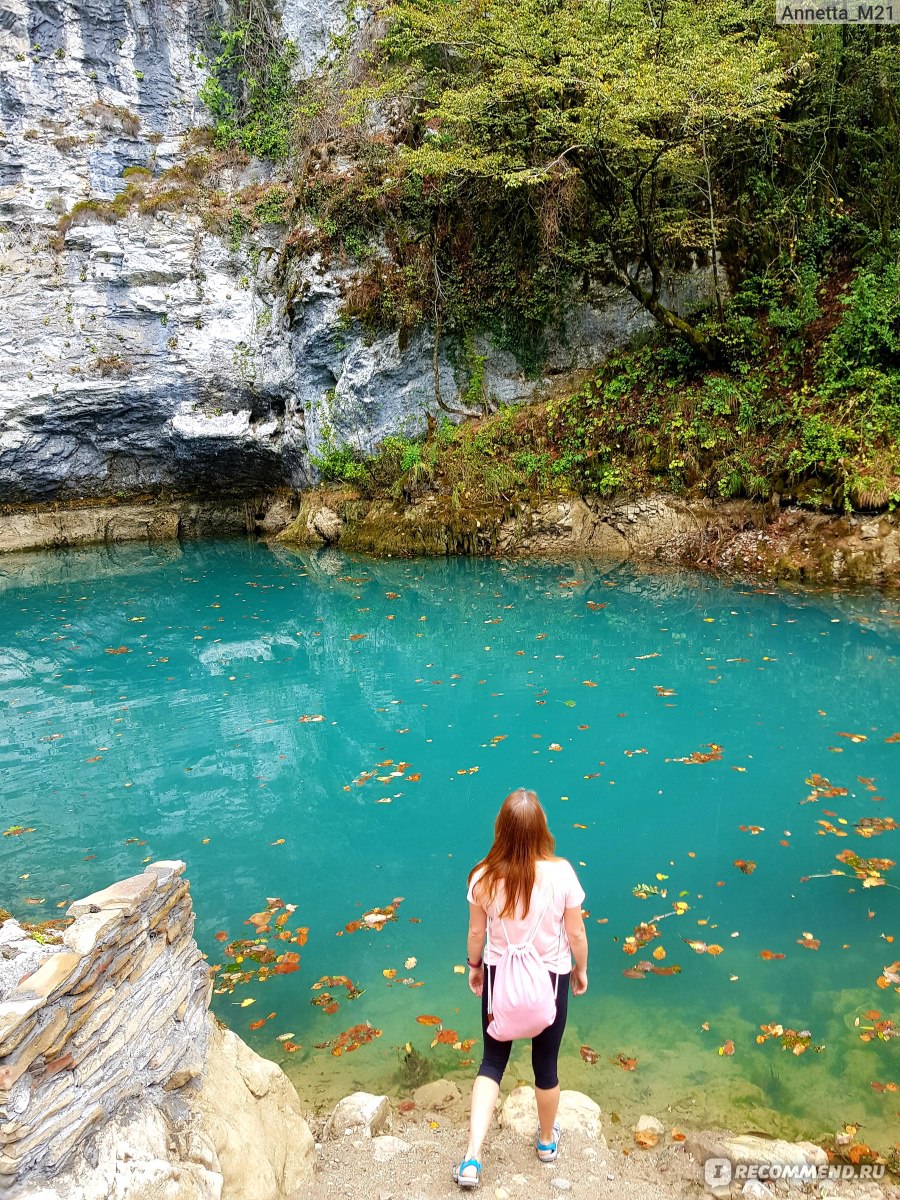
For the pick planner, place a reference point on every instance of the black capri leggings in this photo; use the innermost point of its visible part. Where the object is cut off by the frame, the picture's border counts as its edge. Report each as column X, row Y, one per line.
column 544, row 1047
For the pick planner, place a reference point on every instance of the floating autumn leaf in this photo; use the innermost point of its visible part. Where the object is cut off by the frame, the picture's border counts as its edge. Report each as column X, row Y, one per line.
column 873, row 826
column 854, row 737
column 446, row 1037
column 17, row 830
column 555, row 746
column 290, row 1047
column 589, row 1055
column 755, row 830
column 221, row 936
column 798, row 1042
column 335, row 981
column 117, row 650
column 883, row 1030
column 747, row 867
column 427, row 1019
column 459, row 969
column 410, row 963
column 358, row 637
column 808, row 942
column 728, row 1048
column 595, row 606
column 713, row 950
column 311, row 718
column 389, row 973
column 623, row 1061
column 895, row 737
column 769, row 955
column 643, row 890
column 712, row 753
column 869, row 870
column 351, row 1039
column 664, row 691
column 674, row 969
column 287, row 963
column 646, row 1138
column 659, row 953
column 254, row 1025
column 697, row 946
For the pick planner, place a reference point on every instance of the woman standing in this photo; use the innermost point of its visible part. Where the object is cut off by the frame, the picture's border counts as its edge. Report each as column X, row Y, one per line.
column 525, row 890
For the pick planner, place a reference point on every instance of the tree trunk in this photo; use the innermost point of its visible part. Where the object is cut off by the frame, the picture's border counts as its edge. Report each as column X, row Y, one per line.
column 666, row 317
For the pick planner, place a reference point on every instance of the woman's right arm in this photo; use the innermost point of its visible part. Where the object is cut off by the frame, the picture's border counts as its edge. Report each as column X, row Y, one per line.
column 577, row 936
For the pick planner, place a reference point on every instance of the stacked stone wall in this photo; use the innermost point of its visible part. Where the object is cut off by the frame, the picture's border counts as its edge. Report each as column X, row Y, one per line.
column 116, row 1011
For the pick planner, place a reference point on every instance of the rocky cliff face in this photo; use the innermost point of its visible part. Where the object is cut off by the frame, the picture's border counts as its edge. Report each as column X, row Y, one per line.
column 141, row 351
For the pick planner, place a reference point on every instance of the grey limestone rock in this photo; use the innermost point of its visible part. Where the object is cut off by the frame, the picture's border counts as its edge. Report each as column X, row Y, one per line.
column 141, row 352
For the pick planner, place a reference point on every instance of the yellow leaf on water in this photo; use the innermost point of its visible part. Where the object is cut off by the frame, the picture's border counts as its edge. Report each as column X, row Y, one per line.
column 247, row 1001
column 459, row 969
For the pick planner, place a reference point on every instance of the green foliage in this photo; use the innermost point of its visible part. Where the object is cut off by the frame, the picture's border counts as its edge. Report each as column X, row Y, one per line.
column 866, row 342
column 249, row 90
column 339, row 464
column 271, row 209
column 609, row 121
column 819, row 426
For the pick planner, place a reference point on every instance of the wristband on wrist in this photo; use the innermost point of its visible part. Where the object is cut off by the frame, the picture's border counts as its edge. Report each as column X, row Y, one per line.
column 475, row 966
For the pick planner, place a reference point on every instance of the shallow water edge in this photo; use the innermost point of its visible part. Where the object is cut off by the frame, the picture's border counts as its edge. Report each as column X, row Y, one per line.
column 739, row 538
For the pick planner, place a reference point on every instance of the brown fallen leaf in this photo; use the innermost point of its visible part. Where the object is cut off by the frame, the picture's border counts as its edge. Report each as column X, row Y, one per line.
column 646, row 1138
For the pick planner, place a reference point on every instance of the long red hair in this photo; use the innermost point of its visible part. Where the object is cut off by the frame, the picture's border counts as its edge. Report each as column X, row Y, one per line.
column 521, row 838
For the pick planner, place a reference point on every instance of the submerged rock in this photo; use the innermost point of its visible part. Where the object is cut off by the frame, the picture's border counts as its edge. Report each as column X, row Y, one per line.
column 438, row 1094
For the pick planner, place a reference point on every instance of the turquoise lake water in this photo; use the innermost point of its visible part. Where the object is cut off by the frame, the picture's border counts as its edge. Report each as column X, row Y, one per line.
column 585, row 682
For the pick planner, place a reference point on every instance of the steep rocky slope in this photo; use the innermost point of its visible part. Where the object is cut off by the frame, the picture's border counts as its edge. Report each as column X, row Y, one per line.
column 144, row 347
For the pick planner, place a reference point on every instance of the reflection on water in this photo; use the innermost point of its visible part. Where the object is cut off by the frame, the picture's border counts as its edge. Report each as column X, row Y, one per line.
column 151, row 702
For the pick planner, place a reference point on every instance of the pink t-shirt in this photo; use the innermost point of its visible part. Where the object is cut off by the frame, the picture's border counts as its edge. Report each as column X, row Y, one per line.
column 555, row 882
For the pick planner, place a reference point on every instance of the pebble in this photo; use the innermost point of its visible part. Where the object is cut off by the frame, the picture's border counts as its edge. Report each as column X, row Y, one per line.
column 501, row 1193
column 561, row 1185
column 756, row 1190
column 588, row 1152
column 519, row 1180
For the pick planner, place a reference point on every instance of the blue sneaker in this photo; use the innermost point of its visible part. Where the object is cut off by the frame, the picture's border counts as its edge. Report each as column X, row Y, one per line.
column 548, row 1152
column 470, row 1180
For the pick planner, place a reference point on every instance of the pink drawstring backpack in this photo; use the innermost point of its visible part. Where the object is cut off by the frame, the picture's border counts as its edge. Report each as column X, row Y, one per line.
column 522, row 1002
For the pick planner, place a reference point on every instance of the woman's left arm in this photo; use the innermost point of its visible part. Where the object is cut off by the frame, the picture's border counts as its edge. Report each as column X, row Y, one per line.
column 475, row 947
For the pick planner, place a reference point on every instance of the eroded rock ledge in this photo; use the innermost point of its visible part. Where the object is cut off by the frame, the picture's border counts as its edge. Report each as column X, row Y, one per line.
column 736, row 537
column 742, row 538
column 115, row 1081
